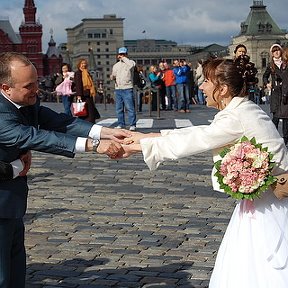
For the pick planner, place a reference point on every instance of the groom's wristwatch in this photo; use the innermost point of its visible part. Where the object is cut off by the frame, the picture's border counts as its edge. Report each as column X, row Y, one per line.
column 95, row 144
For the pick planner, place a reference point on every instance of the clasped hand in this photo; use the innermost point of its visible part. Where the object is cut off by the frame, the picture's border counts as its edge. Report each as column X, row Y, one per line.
column 121, row 147
column 131, row 145
column 113, row 142
column 122, row 143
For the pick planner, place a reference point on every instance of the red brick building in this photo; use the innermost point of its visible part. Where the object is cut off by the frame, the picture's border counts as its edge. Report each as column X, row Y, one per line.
column 29, row 42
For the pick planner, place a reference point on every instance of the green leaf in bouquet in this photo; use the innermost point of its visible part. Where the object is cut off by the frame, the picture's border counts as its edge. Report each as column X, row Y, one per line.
column 224, row 152
column 243, row 139
column 253, row 141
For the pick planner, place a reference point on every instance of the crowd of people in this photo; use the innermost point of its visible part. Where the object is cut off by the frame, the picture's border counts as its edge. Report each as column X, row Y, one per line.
column 175, row 85
column 170, row 88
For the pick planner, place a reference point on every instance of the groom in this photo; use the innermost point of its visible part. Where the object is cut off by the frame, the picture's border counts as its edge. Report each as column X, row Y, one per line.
column 26, row 125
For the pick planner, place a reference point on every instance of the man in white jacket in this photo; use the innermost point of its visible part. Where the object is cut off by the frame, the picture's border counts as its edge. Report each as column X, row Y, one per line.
column 122, row 73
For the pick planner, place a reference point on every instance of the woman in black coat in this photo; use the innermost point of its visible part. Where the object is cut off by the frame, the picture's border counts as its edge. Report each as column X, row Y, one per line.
column 278, row 107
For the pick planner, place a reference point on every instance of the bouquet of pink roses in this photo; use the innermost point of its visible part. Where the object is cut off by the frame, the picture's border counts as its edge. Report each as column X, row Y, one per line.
column 244, row 171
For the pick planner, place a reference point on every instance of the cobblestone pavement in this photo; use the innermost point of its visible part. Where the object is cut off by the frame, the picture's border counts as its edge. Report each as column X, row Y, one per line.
column 95, row 222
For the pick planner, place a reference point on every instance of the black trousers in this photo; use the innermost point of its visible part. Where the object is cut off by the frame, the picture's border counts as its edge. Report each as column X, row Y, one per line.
column 275, row 120
column 12, row 253
column 153, row 101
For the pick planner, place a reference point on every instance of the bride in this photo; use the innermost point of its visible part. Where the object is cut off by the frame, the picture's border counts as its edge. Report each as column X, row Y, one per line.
column 254, row 250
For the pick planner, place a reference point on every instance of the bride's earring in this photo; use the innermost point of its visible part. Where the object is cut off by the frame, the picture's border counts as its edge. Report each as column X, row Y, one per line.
column 223, row 104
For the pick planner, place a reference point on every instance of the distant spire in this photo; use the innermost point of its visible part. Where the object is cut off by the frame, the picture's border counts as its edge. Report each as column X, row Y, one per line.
column 29, row 3
column 29, row 11
column 52, row 42
column 52, row 49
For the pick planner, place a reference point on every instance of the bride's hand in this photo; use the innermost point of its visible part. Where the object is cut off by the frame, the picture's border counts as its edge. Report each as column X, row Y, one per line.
column 131, row 149
column 137, row 136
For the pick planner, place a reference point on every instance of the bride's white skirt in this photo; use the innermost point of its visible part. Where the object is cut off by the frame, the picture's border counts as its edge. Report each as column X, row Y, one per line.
column 254, row 250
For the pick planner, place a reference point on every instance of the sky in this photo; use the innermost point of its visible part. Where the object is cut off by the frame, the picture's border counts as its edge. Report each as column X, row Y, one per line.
column 195, row 22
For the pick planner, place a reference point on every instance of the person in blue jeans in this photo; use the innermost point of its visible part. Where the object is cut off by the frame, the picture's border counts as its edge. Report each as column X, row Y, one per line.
column 180, row 70
column 125, row 98
column 122, row 74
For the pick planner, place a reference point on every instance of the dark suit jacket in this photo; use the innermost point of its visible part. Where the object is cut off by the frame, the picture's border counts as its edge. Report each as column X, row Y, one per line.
column 6, row 171
column 35, row 128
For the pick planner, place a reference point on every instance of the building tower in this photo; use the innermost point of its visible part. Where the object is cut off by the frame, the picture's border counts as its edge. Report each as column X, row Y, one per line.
column 31, row 35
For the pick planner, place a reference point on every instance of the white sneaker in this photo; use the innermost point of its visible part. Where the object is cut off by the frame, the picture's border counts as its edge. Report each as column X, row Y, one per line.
column 118, row 127
column 132, row 128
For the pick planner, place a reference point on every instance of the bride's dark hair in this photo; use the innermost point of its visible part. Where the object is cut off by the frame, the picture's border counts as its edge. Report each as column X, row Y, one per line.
column 236, row 74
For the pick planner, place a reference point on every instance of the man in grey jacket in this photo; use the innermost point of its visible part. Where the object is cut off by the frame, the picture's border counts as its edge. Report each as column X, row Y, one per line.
column 122, row 73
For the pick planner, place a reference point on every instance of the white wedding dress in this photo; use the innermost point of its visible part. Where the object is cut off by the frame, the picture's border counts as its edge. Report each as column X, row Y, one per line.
column 254, row 250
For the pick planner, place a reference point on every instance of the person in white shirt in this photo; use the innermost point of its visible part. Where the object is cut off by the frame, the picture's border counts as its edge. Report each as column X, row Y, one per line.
column 122, row 73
